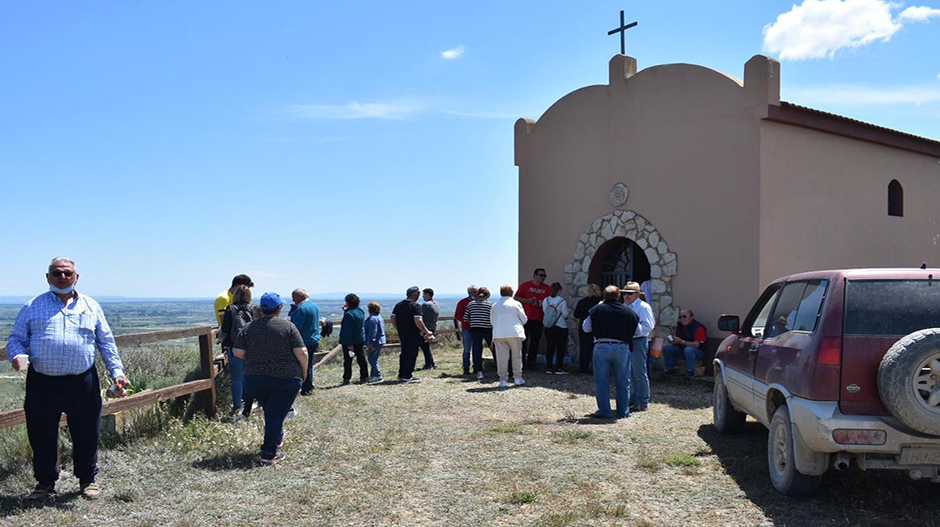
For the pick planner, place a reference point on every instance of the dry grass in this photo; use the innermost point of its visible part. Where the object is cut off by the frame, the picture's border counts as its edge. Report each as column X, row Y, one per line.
column 451, row 451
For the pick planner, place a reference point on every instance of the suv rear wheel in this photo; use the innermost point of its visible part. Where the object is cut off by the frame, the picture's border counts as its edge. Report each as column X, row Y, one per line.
column 780, row 459
column 727, row 420
column 909, row 380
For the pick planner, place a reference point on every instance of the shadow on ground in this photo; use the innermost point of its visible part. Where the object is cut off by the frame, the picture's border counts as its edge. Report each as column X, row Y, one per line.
column 236, row 461
column 12, row 505
column 676, row 392
column 853, row 497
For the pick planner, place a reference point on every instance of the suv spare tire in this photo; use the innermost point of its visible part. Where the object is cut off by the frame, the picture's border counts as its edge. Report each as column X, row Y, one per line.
column 909, row 380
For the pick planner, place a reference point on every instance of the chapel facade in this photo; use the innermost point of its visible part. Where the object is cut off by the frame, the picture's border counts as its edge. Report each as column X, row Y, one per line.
column 710, row 188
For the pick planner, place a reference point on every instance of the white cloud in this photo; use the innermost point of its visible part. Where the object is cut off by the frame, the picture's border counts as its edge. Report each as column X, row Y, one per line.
column 354, row 110
column 453, row 53
column 863, row 95
column 817, row 29
column 919, row 14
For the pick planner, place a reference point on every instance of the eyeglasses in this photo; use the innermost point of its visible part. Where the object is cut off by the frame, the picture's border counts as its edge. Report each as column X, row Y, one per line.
column 57, row 273
column 683, row 316
column 541, row 275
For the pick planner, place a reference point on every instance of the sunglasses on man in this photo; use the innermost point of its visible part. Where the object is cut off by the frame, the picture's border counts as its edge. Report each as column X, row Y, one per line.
column 59, row 273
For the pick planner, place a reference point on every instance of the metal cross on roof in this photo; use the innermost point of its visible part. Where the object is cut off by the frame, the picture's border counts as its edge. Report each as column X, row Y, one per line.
column 622, row 29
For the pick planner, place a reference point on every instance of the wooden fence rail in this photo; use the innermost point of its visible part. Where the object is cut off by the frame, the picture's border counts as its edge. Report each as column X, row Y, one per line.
column 206, row 335
column 209, row 366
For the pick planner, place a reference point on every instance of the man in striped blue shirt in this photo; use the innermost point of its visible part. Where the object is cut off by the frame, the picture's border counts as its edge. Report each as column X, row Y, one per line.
column 58, row 335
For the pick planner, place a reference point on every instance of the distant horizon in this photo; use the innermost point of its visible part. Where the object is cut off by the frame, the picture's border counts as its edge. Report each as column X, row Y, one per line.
column 17, row 299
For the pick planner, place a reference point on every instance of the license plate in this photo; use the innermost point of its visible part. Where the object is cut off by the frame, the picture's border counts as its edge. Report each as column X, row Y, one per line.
column 920, row 456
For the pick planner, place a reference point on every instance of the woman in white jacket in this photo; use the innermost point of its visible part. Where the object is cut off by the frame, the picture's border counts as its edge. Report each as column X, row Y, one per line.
column 555, row 319
column 508, row 320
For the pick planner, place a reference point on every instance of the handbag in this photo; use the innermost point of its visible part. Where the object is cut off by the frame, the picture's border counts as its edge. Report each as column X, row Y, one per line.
column 656, row 348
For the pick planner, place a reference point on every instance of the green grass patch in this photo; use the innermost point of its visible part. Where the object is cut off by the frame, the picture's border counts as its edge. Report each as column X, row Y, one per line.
column 681, row 459
column 572, row 436
column 507, row 429
column 521, row 498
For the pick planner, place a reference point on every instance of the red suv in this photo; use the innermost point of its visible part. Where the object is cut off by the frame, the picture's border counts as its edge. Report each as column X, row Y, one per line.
column 839, row 366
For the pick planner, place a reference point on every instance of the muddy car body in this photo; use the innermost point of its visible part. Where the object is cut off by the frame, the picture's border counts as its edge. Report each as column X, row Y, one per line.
column 840, row 366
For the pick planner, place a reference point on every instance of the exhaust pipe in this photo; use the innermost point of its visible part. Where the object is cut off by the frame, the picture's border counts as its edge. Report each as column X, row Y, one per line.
column 842, row 461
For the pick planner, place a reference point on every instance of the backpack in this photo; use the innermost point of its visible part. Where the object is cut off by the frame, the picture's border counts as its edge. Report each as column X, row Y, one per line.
column 241, row 316
column 551, row 315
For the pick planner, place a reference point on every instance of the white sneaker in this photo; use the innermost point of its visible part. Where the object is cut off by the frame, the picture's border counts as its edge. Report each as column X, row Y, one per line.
column 290, row 415
column 503, row 384
column 520, row 381
column 480, row 375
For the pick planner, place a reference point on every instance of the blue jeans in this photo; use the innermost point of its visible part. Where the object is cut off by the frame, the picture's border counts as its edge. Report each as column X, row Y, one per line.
column 612, row 358
column 276, row 395
column 237, row 368
column 671, row 351
column 374, row 361
column 639, row 376
column 465, row 333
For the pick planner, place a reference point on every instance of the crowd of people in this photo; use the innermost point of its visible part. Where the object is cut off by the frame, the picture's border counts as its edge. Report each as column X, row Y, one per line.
column 58, row 335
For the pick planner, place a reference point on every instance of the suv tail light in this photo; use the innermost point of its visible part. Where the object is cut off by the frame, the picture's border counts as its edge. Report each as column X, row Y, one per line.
column 830, row 351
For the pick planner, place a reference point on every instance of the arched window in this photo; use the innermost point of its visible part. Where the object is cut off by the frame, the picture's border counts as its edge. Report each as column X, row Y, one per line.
column 895, row 199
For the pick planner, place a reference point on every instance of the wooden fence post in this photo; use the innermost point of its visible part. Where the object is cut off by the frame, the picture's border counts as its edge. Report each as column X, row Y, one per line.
column 206, row 357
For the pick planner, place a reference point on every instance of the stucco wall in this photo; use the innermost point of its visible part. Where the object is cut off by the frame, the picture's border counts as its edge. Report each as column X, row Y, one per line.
column 824, row 204
column 686, row 141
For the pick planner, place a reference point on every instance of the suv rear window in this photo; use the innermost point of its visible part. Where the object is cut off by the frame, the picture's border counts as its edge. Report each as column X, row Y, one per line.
column 891, row 307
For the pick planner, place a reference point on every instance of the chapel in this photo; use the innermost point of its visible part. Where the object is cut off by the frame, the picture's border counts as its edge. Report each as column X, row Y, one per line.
column 711, row 187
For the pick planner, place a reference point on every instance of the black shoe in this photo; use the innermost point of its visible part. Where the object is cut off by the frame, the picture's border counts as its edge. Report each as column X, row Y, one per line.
column 598, row 415
column 690, row 375
column 466, row 371
column 305, row 393
column 40, row 493
column 638, row 408
column 345, row 382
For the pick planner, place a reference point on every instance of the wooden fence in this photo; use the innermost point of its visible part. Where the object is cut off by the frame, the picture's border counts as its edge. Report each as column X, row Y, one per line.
column 210, row 365
column 206, row 335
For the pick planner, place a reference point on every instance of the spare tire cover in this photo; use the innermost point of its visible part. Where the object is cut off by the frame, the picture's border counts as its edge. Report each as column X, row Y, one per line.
column 909, row 380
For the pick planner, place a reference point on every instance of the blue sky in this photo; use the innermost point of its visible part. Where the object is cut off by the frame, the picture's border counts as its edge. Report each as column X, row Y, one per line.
column 357, row 146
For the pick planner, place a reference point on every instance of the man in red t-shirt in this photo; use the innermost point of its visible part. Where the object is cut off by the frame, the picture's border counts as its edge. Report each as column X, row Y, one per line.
column 689, row 343
column 465, row 326
column 531, row 294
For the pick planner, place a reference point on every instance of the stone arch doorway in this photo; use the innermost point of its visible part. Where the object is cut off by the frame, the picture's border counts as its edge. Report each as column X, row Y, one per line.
column 600, row 239
column 618, row 261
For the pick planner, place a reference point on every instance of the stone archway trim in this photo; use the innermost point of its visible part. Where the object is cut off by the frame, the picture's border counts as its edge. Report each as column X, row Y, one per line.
column 628, row 224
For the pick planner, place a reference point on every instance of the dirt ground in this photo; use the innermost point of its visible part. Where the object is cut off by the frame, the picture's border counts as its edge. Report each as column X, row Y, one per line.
column 455, row 451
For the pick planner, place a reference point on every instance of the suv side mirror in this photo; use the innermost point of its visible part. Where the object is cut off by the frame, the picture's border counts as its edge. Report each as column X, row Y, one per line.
column 729, row 323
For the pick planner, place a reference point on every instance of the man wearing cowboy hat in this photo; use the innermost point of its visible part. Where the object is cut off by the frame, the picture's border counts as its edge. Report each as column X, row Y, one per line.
column 639, row 376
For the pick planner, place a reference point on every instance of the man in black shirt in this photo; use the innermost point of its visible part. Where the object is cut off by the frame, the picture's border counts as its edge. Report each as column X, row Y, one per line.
column 406, row 317
column 613, row 324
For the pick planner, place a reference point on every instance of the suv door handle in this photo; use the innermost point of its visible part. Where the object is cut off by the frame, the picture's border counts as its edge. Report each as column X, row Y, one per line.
column 754, row 348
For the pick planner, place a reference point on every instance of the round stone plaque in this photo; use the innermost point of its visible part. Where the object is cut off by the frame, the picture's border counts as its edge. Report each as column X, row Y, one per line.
column 619, row 195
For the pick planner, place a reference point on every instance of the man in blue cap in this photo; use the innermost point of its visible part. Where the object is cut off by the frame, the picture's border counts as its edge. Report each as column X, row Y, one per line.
column 275, row 368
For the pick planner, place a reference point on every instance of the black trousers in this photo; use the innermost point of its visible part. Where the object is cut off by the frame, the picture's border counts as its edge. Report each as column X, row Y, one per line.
column 409, row 354
column 586, row 355
column 533, row 337
column 428, row 356
column 557, row 343
column 79, row 397
column 308, row 382
column 360, row 358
